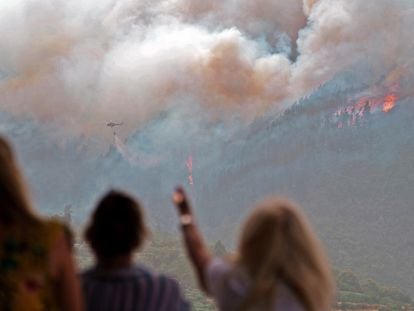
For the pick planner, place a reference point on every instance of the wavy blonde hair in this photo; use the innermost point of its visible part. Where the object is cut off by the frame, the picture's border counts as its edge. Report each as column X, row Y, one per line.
column 14, row 200
column 278, row 245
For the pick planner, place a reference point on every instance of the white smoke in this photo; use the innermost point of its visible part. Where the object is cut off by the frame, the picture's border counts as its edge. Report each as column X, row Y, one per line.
column 134, row 157
column 79, row 64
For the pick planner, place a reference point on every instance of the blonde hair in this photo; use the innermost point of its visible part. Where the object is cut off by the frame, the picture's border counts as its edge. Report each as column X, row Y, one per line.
column 277, row 245
column 14, row 199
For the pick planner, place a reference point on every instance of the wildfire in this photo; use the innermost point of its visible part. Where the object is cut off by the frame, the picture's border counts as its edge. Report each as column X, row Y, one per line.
column 389, row 102
column 189, row 164
column 367, row 104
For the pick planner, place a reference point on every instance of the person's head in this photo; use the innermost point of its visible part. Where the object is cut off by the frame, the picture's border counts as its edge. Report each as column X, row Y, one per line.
column 276, row 245
column 117, row 227
column 14, row 202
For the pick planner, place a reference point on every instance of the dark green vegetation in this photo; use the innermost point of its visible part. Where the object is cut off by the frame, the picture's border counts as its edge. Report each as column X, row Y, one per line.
column 164, row 252
column 352, row 289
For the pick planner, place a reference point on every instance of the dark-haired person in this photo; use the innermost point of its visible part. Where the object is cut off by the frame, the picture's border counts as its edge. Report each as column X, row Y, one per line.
column 37, row 270
column 116, row 230
column 280, row 264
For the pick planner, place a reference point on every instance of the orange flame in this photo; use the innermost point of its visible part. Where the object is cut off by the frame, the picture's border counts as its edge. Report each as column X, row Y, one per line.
column 354, row 112
column 189, row 164
column 389, row 102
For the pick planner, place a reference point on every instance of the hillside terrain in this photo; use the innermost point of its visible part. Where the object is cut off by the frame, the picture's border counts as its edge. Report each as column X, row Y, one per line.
column 355, row 181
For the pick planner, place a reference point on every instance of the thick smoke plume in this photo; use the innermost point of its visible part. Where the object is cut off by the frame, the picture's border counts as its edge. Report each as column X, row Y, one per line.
column 80, row 64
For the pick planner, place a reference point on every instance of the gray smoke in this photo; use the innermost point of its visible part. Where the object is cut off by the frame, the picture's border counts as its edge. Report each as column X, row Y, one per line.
column 80, row 64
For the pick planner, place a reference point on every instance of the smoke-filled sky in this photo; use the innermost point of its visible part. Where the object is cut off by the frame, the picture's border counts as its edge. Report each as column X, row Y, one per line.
column 78, row 64
column 309, row 99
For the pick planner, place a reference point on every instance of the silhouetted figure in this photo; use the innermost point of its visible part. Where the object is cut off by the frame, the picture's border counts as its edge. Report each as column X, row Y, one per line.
column 280, row 264
column 116, row 230
column 37, row 271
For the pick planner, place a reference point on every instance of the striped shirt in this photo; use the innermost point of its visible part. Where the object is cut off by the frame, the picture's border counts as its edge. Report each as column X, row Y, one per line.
column 131, row 289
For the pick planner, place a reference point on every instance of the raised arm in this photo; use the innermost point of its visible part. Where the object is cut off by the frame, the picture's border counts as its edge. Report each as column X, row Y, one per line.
column 64, row 271
column 195, row 246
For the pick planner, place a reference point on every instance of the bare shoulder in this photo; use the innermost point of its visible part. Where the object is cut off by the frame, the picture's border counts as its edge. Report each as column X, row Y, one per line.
column 60, row 242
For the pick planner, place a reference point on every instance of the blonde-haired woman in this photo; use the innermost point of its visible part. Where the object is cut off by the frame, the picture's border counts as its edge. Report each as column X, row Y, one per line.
column 37, row 271
column 280, row 263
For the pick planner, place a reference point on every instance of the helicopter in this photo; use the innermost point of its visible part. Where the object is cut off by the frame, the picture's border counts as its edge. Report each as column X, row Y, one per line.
column 113, row 124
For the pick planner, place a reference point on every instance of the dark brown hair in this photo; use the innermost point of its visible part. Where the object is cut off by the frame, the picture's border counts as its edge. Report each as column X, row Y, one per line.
column 117, row 227
column 14, row 200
